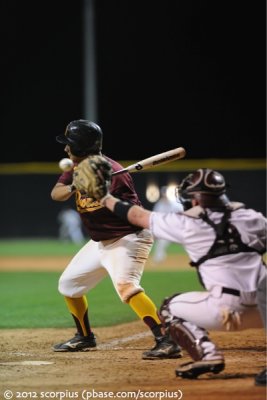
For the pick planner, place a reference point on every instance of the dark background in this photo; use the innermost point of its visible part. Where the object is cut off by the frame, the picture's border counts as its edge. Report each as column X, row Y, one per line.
column 170, row 73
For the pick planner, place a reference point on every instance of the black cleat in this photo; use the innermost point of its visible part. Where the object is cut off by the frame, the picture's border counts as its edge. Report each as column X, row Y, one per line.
column 260, row 379
column 164, row 348
column 192, row 370
column 77, row 343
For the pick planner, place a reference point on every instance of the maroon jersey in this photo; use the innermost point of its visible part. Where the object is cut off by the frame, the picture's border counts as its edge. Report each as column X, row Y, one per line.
column 100, row 222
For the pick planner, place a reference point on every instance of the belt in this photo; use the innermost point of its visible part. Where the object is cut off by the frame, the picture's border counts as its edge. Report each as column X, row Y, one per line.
column 234, row 292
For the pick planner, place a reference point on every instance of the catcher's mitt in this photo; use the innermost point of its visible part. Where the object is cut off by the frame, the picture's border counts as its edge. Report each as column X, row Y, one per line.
column 92, row 176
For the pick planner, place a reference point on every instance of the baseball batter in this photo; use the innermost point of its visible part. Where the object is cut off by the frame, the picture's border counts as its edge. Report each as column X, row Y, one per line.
column 225, row 242
column 116, row 248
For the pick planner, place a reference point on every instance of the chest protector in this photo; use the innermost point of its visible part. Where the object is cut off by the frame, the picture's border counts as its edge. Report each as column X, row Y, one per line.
column 227, row 241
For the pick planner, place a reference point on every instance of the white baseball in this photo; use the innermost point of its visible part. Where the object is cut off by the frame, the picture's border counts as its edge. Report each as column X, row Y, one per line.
column 66, row 164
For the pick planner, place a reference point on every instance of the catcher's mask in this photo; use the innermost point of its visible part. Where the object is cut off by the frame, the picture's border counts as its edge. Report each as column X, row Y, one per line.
column 205, row 185
column 83, row 137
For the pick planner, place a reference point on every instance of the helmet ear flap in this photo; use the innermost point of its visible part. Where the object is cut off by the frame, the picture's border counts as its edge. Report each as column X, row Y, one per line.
column 76, row 150
column 182, row 198
column 186, row 203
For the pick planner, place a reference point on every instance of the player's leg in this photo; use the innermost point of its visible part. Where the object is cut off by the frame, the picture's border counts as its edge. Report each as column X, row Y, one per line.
column 125, row 268
column 261, row 377
column 146, row 310
column 82, row 274
column 194, row 339
column 219, row 309
column 261, row 299
column 216, row 310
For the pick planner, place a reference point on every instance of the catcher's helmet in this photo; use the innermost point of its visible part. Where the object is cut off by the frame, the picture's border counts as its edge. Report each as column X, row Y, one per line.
column 83, row 137
column 206, row 185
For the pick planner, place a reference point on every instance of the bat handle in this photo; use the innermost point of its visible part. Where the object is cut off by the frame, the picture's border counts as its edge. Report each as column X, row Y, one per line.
column 122, row 171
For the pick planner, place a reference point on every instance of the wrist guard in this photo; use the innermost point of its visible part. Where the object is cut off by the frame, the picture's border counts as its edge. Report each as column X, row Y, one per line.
column 121, row 209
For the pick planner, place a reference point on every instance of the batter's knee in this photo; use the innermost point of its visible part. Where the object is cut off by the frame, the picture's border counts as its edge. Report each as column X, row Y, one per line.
column 63, row 285
column 127, row 290
column 68, row 288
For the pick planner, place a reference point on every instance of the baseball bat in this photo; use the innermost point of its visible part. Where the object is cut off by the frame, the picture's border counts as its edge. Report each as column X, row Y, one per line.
column 150, row 162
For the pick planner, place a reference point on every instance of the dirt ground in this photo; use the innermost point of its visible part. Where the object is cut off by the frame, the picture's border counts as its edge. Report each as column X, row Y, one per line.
column 30, row 369
column 59, row 263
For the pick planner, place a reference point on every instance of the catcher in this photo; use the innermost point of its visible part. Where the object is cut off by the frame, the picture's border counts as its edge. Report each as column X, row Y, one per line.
column 225, row 242
column 116, row 247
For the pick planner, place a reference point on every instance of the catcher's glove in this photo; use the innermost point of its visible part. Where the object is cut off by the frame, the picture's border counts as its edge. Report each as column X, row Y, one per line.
column 92, row 176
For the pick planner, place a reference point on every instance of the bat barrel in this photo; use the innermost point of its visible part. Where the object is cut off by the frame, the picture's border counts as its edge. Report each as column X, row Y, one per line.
column 150, row 162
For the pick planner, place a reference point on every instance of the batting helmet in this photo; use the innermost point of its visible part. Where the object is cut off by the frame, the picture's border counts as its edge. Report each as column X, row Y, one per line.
column 83, row 137
column 206, row 185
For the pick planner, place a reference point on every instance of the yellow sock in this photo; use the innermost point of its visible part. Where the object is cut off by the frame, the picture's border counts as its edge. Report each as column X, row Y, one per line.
column 143, row 306
column 78, row 307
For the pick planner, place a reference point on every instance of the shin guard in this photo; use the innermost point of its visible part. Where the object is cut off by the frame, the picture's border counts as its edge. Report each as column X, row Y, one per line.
column 180, row 332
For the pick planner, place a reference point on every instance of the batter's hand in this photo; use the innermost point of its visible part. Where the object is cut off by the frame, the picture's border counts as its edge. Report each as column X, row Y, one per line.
column 92, row 176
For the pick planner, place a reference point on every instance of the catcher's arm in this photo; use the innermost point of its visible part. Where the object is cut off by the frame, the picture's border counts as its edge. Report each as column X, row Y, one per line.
column 132, row 213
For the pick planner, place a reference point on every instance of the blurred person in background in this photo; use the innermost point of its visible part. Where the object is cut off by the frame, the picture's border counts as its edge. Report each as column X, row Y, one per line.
column 165, row 204
column 70, row 225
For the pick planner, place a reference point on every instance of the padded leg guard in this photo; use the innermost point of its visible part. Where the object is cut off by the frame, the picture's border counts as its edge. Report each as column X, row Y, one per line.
column 181, row 333
column 182, row 336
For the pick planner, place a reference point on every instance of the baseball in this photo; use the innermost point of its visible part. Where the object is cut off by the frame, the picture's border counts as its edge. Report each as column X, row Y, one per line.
column 66, row 164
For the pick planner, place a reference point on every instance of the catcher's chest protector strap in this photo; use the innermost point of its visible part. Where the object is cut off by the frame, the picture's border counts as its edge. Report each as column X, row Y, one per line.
column 227, row 241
